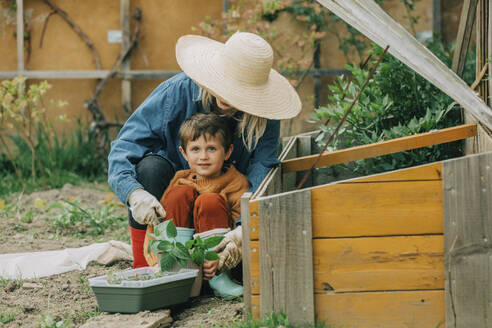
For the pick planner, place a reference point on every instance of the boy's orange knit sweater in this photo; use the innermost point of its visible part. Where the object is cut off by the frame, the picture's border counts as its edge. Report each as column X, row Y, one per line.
column 231, row 185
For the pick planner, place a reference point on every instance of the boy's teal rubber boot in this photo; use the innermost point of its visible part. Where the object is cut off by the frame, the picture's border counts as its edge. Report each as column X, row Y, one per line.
column 222, row 284
column 224, row 287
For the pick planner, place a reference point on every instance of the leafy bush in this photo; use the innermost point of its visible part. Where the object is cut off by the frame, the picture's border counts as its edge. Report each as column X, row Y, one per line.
column 396, row 103
column 71, row 219
column 65, row 159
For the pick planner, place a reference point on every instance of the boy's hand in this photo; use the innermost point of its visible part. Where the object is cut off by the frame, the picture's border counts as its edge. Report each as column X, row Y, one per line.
column 209, row 269
column 145, row 208
column 230, row 249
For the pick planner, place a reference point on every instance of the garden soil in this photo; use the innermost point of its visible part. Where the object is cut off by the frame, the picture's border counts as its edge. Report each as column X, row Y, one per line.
column 67, row 299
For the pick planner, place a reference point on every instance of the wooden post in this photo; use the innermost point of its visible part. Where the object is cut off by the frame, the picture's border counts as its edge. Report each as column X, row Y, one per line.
column 436, row 16
column 482, row 47
column 126, row 84
column 20, row 36
column 286, row 261
column 304, row 149
column 245, row 213
column 489, row 38
column 464, row 35
column 467, row 208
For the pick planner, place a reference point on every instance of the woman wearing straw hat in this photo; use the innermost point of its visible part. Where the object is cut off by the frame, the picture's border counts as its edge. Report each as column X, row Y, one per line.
column 234, row 79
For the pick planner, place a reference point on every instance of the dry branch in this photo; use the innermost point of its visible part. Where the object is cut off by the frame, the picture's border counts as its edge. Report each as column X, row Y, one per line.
column 77, row 30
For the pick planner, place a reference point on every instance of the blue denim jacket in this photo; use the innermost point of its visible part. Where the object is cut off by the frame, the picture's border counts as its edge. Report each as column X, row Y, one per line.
column 154, row 126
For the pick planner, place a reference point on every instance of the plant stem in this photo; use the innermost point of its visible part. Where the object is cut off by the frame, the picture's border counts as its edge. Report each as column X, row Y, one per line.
column 371, row 73
column 11, row 159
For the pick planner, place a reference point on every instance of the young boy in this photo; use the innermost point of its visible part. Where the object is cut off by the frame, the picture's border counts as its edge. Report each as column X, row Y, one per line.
column 207, row 196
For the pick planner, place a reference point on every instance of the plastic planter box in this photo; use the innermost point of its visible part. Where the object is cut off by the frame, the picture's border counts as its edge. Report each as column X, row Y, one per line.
column 132, row 296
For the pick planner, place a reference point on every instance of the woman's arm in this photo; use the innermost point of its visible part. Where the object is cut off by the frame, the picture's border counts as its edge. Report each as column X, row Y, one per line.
column 140, row 135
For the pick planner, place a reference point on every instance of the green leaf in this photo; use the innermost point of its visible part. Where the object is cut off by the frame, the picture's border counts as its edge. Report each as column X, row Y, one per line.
column 160, row 230
column 211, row 256
column 164, row 245
column 189, row 244
column 181, row 252
column 167, row 262
column 197, row 256
column 182, row 262
column 213, row 241
column 171, row 229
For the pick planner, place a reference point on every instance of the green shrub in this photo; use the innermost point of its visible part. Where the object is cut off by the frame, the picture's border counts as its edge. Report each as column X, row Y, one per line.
column 65, row 159
column 396, row 103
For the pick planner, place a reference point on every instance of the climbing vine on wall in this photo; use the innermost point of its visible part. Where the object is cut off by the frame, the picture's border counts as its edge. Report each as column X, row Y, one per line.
column 293, row 50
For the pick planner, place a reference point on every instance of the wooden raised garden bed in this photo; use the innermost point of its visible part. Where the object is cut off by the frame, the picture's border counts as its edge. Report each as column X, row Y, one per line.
column 370, row 251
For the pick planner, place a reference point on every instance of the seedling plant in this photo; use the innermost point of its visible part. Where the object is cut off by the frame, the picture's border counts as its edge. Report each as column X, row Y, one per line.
column 172, row 251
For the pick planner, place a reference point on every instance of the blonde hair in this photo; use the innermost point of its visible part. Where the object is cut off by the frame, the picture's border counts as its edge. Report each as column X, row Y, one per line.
column 251, row 127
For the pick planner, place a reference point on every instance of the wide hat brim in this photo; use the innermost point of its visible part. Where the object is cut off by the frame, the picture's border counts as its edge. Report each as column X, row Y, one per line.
column 200, row 58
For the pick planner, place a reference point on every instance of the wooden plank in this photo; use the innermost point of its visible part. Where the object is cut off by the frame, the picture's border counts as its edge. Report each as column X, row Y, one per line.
column 377, row 209
column 467, row 203
column 412, row 309
column 245, row 214
column 289, row 179
column 272, row 184
column 391, row 203
column 406, row 309
column 90, row 74
column 464, row 36
column 382, row 148
column 304, row 149
column 126, row 84
column 378, row 263
column 20, row 35
column 286, row 264
column 418, row 173
column 371, row 264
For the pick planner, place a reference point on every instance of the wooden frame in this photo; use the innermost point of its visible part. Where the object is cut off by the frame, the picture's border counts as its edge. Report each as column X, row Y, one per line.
column 368, row 251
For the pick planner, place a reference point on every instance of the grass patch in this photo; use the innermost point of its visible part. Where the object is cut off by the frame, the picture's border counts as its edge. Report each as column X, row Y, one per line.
column 64, row 159
column 6, row 317
column 271, row 321
column 70, row 218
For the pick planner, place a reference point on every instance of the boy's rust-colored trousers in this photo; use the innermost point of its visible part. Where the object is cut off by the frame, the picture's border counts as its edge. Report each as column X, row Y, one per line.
column 189, row 209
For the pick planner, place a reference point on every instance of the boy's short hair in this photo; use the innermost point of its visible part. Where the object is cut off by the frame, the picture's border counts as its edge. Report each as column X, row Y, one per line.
column 203, row 124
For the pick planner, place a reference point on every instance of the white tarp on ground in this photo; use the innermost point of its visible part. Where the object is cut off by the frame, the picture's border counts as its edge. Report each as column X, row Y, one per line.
column 372, row 21
column 44, row 264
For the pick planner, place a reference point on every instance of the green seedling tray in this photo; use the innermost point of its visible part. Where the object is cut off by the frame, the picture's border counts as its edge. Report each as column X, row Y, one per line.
column 135, row 296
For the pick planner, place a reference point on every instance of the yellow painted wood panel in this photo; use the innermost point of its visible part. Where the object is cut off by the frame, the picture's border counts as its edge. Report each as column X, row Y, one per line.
column 405, row 309
column 373, row 209
column 412, row 309
column 370, row 264
column 377, row 209
column 381, row 148
column 384, row 263
column 425, row 172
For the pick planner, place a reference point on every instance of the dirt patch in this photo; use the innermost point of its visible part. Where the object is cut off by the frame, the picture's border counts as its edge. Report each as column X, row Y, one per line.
column 67, row 298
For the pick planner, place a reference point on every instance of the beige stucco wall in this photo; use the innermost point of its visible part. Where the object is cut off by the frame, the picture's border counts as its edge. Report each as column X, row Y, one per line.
column 163, row 22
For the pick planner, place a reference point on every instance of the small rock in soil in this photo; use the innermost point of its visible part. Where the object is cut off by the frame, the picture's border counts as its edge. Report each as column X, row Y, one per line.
column 30, row 285
column 11, row 286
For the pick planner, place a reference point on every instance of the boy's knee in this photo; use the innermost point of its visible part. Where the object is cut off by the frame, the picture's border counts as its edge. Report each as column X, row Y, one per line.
column 178, row 194
column 209, row 200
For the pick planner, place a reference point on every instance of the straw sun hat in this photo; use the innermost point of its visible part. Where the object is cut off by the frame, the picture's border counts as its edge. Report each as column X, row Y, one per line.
column 240, row 73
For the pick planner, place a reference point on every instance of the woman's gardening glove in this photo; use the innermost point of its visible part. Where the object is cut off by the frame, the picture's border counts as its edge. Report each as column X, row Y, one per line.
column 230, row 249
column 145, row 208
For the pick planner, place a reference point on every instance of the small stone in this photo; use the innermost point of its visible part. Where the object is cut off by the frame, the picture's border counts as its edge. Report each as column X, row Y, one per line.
column 30, row 285
column 11, row 286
